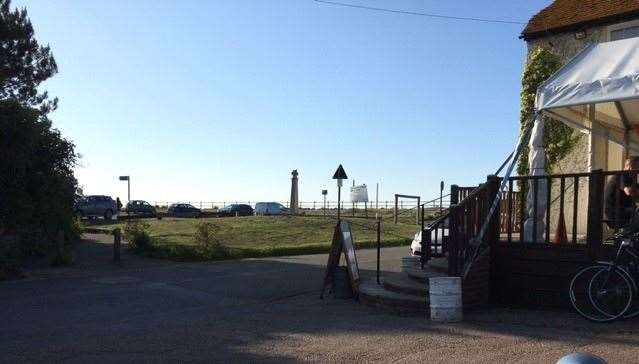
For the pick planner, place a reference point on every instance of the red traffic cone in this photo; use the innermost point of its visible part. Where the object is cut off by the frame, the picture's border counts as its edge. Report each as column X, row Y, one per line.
column 561, row 236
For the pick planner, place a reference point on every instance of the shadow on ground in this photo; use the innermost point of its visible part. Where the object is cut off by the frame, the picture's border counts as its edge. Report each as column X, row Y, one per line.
column 260, row 310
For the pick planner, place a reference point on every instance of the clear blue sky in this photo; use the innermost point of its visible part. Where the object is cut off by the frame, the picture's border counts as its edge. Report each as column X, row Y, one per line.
column 220, row 100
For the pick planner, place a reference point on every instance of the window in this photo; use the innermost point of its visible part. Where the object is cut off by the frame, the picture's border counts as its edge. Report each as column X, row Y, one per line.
column 623, row 30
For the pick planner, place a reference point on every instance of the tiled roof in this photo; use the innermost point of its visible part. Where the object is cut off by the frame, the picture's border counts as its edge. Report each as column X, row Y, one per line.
column 564, row 15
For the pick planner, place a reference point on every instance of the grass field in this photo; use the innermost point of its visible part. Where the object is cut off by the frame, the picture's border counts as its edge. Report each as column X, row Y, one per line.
column 259, row 236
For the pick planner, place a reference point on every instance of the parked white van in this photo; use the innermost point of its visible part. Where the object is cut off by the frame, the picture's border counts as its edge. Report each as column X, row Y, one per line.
column 270, row 208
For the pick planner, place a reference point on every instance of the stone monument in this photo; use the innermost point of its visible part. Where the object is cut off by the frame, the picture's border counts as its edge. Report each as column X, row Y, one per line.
column 294, row 197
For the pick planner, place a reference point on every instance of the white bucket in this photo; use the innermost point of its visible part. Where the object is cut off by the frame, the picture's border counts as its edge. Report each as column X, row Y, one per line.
column 445, row 299
column 410, row 263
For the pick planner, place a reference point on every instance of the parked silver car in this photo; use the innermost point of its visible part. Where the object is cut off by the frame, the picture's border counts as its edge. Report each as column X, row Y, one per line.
column 96, row 206
column 270, row 208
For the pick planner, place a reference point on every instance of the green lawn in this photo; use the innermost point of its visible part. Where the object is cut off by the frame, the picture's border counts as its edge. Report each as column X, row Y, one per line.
column 259, row 236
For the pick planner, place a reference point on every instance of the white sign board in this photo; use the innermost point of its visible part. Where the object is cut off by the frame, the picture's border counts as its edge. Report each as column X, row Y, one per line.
column 359, row 194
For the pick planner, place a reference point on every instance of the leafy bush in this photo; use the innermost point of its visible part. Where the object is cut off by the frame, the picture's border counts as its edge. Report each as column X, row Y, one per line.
column 137, row 234
column 206, row 241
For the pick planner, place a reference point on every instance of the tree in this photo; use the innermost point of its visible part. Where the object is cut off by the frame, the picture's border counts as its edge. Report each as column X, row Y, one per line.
column 37, row 185
column 559, row 139
column 24, row 64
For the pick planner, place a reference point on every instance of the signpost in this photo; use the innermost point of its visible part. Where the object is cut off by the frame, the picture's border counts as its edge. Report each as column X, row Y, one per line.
column 324, row 193
column 342, row 242
column 128, row 186
column 340, row 176
column 360, row 194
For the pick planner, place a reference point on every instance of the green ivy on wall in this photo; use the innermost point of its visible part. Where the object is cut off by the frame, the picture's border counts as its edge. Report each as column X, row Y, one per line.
column 559, row 139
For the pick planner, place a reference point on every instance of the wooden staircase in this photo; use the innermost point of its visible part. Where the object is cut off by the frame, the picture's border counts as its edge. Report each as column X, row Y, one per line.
column 450, row 250
column 405, row 293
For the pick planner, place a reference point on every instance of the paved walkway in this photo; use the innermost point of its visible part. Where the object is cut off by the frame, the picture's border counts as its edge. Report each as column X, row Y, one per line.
column 260, row 310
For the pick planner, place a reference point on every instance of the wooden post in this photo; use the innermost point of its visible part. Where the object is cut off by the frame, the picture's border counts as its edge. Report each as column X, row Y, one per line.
column 595, row 212
column 453, row 228
column 396, row 198
column 425, row 248
column 492, row 234
column 454, row 195
column 453, row 244
column 379, row 244
column 117, row 242
column 417, row 217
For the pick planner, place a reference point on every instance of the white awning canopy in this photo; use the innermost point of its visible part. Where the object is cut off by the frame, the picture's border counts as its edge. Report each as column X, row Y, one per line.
column 598, row 87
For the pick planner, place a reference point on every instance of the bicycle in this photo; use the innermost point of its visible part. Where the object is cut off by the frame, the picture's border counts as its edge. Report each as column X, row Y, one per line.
column 607, row 291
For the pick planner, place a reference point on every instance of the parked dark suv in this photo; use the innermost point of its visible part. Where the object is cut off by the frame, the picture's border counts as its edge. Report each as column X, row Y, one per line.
column 235, row 210
column 96, row 206
column 184, row 210
column 139, row 207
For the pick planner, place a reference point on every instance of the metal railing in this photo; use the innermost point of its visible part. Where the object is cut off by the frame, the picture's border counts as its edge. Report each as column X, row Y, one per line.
column 306, row 205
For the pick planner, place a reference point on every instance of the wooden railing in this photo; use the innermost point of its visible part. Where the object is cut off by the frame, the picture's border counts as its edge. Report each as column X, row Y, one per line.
column 435, row 236
column 575, row 206
column 509, row 200
column 563, row 197
column 574, row 215
column 465, row 221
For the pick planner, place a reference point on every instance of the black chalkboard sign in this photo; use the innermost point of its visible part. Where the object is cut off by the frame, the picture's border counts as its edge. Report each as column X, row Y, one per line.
column 342, row 242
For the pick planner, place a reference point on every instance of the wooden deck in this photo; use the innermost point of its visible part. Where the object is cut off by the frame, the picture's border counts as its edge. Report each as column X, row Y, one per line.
column 537, row 275
column 526, row 273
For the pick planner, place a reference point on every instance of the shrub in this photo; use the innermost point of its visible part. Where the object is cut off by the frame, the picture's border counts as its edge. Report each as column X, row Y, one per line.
column 61, row 260
column 137, row 234
column 206, row 241
column 10, row 257
column 37, row 186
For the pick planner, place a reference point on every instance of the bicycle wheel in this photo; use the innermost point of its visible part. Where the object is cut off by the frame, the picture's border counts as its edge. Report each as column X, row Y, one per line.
column 611, row 292
column 580, row 297
column 633, row 311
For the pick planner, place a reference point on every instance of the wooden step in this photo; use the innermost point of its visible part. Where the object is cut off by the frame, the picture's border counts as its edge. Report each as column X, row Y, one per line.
column 374, row 295
column 422, row 275
column 401, row 283
column 438, row 264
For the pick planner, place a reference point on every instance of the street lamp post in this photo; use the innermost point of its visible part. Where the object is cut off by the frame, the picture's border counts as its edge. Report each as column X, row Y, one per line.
column 128, row 187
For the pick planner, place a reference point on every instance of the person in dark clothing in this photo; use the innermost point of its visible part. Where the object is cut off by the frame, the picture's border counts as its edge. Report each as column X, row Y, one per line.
column 626, row 188
column 118, row 203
